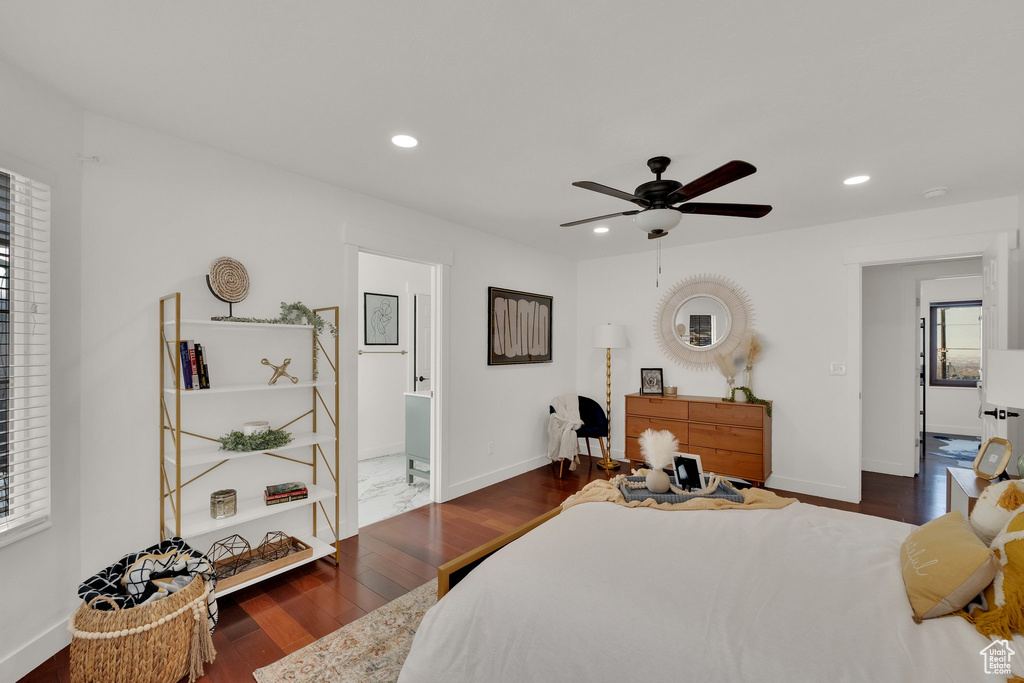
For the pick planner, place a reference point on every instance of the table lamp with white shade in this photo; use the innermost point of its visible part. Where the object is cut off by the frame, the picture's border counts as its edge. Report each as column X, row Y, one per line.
column 608, row 336
column 1004, row 384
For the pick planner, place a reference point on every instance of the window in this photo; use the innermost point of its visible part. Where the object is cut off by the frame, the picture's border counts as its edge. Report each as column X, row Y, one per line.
column 955, row 344
column 24, row 356
column 701, row 328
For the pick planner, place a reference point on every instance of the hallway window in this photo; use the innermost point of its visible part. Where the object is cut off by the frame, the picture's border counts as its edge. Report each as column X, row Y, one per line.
column 955, row 344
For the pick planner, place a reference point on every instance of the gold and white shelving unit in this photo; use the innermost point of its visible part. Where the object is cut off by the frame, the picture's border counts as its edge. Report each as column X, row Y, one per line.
column 191, row 463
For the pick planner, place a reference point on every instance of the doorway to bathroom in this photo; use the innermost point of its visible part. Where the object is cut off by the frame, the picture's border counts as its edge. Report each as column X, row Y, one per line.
column 395, row 394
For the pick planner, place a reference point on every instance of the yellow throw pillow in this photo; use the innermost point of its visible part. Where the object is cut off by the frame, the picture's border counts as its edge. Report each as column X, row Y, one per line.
column 1005, row 599
column 994, row 508
column 945, row 565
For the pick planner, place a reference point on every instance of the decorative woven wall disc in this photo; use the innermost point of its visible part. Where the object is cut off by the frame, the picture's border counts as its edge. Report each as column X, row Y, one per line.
column 228, row 280
column 714, row 286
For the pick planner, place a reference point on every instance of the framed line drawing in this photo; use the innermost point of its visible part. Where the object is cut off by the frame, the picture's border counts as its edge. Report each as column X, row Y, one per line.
column 651, row 381
column 518, row 328
column 380, row 319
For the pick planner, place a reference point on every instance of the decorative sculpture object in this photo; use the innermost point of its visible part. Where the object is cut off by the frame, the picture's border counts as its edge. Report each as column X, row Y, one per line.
column 280, row 371
column 228, row 281
column 230, row 555
column 275, row 545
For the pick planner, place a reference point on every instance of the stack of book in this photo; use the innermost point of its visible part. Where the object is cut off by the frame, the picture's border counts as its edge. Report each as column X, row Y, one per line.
column 283, row 493
column 194, row 372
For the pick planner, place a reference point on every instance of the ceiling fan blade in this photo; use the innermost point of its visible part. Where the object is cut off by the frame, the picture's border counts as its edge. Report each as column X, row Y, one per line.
column 723, row 175
column 610, row 191
column 739, row 210
column 656, row 234
column 597, row 218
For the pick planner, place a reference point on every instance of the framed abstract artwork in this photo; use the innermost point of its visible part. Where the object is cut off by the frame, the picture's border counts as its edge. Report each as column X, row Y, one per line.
column 380, row 319
column 519, row 327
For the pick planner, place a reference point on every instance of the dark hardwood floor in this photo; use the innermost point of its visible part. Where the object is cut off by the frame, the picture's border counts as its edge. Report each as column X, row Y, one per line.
column 263, row 623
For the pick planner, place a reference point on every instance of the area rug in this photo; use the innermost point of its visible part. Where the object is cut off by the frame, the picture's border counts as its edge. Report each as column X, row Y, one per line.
column 371, row 649
column 963, row 449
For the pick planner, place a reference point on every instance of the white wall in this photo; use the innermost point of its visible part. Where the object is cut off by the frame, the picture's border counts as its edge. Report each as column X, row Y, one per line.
column 891, row 349
column 154, row 214
column 40, row 134
column 384, row 377
column 950, row 410
column 793, row 276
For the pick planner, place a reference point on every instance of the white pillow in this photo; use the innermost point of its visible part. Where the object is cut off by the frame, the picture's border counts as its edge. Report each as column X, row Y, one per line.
column 994, row 508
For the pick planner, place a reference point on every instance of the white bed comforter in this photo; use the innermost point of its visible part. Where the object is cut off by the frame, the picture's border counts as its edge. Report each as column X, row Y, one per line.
column 798, row 594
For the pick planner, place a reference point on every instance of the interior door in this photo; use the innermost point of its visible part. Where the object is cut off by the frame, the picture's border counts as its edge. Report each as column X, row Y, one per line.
column 421, row 343
column 995, row 302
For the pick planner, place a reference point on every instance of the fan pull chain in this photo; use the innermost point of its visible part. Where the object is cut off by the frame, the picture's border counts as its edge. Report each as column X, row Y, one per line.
column 657, row 276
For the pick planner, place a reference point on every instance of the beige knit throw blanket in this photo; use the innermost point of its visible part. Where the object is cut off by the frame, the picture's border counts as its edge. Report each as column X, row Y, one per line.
column 604, row 491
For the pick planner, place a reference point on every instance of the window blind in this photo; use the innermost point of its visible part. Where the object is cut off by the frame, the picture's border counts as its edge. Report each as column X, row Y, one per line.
column 24, row 354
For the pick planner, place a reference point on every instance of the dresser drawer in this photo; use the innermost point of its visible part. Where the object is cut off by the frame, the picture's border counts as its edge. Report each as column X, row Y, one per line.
column 727, row 413
column 742, row 439
column 730, row 463
column 656, row 407
column 635, row 426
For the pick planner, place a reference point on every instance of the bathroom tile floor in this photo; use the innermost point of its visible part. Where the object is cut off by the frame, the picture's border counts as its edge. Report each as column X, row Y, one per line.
column 383, row 492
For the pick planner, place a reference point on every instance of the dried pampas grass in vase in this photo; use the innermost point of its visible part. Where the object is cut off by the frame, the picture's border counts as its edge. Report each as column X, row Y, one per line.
column 753, row 351
column 658, row 447
column 728, row 369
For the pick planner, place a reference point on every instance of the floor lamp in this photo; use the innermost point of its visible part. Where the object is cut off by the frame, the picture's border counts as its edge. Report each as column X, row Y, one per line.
column 608, row 336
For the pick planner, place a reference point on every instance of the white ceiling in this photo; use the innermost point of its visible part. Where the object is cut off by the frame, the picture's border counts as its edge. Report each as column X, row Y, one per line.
column 515, row 100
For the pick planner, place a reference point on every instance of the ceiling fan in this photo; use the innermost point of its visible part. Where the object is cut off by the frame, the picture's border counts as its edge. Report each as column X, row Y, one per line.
column 663, row 202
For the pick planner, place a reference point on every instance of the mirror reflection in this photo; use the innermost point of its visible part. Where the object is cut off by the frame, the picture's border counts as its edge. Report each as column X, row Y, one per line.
column 702, row 322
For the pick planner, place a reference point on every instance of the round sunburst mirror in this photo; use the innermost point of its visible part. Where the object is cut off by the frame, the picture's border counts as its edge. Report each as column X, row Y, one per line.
column 700, row 317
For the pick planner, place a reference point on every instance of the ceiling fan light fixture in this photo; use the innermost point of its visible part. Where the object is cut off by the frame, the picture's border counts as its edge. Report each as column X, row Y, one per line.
column 657, row 219
column 404, row 141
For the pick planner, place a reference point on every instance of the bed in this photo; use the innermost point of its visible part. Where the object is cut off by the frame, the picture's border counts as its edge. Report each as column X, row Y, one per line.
column 603, row 592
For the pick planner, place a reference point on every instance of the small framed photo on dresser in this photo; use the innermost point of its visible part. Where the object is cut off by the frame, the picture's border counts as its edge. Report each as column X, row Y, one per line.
column 651, row 381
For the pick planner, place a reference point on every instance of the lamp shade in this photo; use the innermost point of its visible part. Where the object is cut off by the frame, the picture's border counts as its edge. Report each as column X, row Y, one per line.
column 1003, row 378
column 608, row 336
column 657, row 219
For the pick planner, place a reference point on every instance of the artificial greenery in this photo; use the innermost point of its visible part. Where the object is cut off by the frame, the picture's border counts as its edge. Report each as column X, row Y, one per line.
column 261, row 441
column 296, row 313
column 750, row 398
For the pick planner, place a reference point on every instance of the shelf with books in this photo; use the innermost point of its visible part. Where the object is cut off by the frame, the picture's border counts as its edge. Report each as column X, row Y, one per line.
column 207, row 454
column 189, row 461
column 198, row 522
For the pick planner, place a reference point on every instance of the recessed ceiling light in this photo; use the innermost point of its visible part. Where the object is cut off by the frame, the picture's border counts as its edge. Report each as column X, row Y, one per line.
column 405, row 141
column 857, row 180
column 601, row 229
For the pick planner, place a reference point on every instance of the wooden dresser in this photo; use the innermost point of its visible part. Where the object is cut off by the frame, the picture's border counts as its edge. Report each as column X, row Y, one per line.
column 734, row 439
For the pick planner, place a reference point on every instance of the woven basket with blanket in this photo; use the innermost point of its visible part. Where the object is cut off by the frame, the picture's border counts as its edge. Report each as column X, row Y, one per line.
column 147, row 618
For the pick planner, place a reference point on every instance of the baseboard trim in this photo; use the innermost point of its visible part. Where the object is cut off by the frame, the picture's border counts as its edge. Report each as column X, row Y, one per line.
column 477, row 483
column 883, row 467
column 943, row 430
column 22, row 661
column 378, row 451
column 811, row 488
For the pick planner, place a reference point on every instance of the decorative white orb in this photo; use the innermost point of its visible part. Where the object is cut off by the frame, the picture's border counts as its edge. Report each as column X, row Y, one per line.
column 658, row 481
